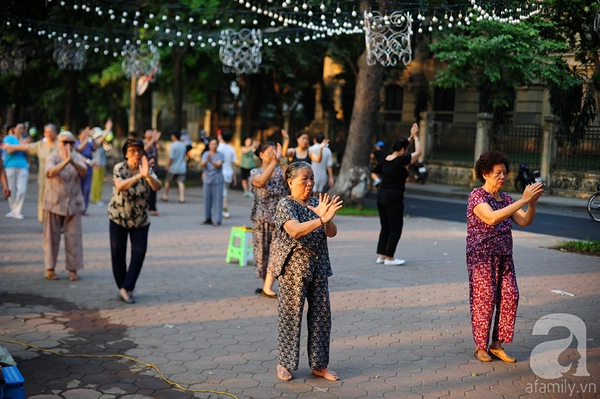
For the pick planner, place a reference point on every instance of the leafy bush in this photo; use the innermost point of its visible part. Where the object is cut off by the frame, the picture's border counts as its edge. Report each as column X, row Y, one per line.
column 588, row 247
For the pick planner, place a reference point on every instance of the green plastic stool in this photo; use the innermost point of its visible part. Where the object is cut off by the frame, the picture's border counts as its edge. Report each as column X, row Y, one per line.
column 240, row 245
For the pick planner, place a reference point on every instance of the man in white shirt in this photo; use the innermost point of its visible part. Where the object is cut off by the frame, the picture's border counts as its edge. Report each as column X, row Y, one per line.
column 176, row 168
column 322, row 170
column 228, row 168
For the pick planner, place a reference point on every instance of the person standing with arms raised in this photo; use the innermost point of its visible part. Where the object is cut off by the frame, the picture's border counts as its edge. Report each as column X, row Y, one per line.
column 212, row 183
column 63, row 204
column 390, row 196
column 492, row 278
column 302, row 266
column 128, row 214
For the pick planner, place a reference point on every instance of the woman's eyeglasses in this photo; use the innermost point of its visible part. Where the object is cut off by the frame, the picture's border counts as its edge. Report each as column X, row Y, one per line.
column 65, row 142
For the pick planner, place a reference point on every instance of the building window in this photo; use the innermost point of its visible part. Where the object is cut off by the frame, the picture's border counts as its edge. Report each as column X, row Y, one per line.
column 443, row 99
column 394, row 97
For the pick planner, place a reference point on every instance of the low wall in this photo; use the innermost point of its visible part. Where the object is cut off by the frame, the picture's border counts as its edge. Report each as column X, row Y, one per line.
column 565, row 184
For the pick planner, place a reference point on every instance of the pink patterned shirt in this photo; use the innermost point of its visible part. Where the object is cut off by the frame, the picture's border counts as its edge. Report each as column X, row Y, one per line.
column 483, row 238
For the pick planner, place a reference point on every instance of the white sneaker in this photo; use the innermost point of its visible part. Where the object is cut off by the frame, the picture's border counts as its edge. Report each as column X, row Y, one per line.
column 394, row 262
column 379, row 260
column 19, row 216
column 226, row 215
column 9, row 215
column 99, row 203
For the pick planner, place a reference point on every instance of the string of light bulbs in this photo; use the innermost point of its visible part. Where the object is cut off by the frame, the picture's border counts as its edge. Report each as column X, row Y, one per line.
column 289, row 21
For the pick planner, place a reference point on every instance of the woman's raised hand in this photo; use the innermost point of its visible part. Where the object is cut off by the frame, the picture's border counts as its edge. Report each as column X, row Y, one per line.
column 278, row 152
column 414, row 130
column 144, row 167
column 327, row 207
column 533, row 192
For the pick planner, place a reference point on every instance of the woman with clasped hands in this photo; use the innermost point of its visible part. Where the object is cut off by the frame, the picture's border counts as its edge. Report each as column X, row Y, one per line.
column 128, row 214
column 63, row 204
column 302, row 265
column 492, row 279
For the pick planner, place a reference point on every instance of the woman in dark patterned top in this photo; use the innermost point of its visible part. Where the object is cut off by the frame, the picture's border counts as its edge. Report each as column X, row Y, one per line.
column 301, row 262
column 128, row 214
column 492, row 279
column 269, row 187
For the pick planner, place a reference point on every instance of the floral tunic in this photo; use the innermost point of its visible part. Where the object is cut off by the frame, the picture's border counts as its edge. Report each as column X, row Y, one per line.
column 308, row 255
column 129, row 208
column 267, row 197
column 483, row 238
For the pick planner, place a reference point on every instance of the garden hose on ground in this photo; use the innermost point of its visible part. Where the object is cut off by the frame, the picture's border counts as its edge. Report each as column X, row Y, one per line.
column 116, row 355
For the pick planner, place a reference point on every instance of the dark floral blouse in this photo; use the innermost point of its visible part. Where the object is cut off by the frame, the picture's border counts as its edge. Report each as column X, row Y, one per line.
column 129, row 208
column 308, row 255
column 267, row 197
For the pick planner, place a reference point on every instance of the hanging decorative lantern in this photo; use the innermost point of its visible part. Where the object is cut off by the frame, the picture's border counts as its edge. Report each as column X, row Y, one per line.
column 144, row 62
column 387, row 38
column 141, row 61
column 12, row 60
column 240, row 51
column 69, row 54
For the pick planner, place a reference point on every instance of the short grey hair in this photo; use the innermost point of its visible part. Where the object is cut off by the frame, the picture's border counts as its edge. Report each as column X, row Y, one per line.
column 66, row 134
column 294, row 169
column 52, row 126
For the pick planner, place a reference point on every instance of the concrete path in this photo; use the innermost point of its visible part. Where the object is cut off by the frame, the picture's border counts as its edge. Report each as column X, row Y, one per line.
column 398, row 332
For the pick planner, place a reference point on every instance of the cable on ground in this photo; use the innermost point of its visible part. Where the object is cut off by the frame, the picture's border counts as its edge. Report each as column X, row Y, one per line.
column 117, row 355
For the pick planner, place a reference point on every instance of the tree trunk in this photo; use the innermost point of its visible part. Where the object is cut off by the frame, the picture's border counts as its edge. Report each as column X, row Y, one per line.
column 71, row 99
column 146, row 110
column 178, row 90
column 354, row 174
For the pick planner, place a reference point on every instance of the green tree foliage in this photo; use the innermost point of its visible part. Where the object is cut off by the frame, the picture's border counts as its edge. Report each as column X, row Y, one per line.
column 497, row 59
column 576, row 100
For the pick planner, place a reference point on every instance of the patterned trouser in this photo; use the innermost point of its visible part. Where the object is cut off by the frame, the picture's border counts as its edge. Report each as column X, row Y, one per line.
column 492, row 285
column 263, row 234
column 293, row 289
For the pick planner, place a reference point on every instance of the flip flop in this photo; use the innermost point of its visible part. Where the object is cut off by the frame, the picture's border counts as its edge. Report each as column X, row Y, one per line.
column 123, row 299
column 272, row 296
column 51, row 276
column 283, row 373
column 73, row 277
column 328, row 375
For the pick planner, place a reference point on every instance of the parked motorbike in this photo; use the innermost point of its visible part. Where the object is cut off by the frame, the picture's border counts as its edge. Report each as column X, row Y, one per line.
column 525, row 177
column 417, row 172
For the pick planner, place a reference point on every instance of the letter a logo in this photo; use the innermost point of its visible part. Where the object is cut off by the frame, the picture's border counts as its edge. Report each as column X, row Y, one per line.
column 544, row 357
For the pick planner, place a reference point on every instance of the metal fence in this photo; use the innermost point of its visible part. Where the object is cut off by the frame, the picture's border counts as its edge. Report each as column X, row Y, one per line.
column 581, row 155
column 454, row 142
column 520, row 143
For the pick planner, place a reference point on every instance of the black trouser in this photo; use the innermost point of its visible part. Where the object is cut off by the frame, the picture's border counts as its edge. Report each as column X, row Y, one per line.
column 390, row 204
column 152, row 201
column 127, row 277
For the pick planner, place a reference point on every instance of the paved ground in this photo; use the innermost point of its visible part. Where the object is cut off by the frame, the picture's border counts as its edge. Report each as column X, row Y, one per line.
column 398, row 332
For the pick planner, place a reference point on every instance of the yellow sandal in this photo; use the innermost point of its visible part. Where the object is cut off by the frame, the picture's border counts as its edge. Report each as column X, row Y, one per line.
column 500, row 354
column 482, row 356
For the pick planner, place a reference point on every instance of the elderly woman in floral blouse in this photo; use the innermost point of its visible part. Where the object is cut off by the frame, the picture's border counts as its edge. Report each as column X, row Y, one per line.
column 269, row 187
column 128, row 214
column 492, row 278
column 301, row 262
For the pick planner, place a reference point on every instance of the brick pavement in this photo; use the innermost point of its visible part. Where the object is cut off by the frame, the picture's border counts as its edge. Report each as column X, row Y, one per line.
column 398, row 332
